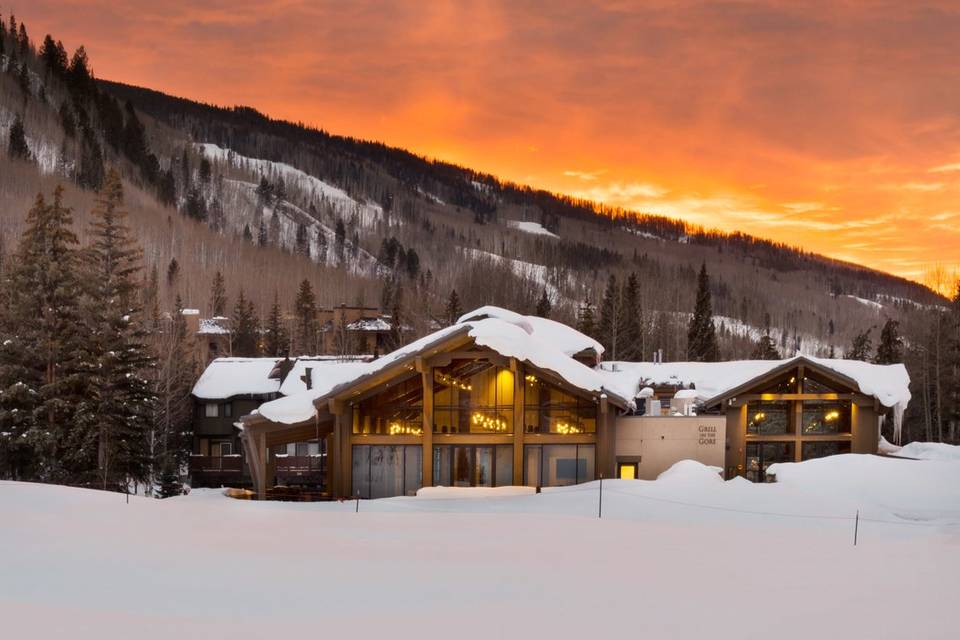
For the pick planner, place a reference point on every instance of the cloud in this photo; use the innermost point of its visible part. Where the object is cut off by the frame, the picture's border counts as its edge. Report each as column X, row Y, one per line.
column 587, row 176
column 946, row 168
column 621, row 194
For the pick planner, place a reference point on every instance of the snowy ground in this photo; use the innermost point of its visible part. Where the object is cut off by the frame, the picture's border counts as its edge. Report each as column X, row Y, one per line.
column 688, row 556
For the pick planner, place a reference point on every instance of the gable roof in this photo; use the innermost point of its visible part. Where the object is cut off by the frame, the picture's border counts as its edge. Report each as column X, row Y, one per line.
column 228, row 377
column 510, row 336
column 567, row 339
column 717, row 381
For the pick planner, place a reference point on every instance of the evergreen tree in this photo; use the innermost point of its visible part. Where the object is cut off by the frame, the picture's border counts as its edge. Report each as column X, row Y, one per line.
column 17, row 145
column 454, row 309
column 246, row 328
column 173, row 273
column 40, row 372
column 167, row 189
column 608, row 328
column 276, row 341
column 586, row 320
column 262, row 239
column 861, row 347
column 631, row 333
column 544, row 306
column 890, row 349
column 247, row 235
column 302, row 245
column 170, row 485
column 306, row 336
column 702, row 333
column 218, row 296
column 120, row 400
column 322, row 243
column 765, row 349
column 195, row 206
column 339, row 241
column 395, row 339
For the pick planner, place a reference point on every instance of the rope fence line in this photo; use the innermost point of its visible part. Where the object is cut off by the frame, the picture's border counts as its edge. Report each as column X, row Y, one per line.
column 425, row 504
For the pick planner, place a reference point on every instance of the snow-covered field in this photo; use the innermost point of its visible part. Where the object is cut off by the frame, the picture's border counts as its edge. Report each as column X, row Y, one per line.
column 687, row 556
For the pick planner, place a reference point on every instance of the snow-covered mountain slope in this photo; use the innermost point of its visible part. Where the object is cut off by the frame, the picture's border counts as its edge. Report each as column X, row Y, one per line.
column 367, row 213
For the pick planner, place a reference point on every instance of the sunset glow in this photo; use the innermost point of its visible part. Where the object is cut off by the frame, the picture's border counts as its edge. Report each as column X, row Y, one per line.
column 832, row 126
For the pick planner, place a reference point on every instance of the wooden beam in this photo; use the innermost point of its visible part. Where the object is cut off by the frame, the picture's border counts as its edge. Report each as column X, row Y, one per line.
column 519, row 389
column 426, row 456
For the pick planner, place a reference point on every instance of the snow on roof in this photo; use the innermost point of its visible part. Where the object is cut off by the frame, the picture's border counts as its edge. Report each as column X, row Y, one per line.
column 190, row 312
column 684, row 394
column 369, row 324
column 514, row 339
column 215, row 325
column 321, row 368
column 565, row 338
column 888, row 383
column 227, row 377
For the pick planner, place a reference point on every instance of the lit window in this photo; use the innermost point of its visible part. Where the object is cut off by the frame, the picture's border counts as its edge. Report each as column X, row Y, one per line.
column 211, row 410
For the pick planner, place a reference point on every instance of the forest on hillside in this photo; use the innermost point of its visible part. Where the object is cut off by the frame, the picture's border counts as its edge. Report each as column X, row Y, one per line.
column 266, row 221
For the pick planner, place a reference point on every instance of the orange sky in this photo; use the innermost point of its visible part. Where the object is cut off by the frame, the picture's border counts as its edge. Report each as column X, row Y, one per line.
column 834, row 125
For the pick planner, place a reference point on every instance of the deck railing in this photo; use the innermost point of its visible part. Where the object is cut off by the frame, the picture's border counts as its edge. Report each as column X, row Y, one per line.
column 216, row 464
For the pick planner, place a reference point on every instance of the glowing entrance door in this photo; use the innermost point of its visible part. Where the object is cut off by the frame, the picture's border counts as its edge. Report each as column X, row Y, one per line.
column 627, row 471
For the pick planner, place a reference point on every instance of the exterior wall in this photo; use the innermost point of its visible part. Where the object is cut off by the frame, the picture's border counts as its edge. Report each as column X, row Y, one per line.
column 866, row 429
column 656, row 443
column 602, row 442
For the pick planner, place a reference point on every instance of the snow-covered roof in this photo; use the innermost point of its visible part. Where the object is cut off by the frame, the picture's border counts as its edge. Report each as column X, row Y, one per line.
column 216, row 325
column 890, row 384
column 565, row 338
column 190, row 312
column 227, row 377
column 369, row 324
column 321, row 369
column 512, row 336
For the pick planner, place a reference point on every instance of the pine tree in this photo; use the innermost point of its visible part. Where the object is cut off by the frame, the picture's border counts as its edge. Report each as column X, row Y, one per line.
column 765, row 349
column 608, row 328
column 306, row 335
column 454, row 309
column 262, row 238
column 246, row 328
column 631, row 333
column 322, row 243
column 218, row 296
column 17, row 145
column 702, row 333
column 586, row 320
column 301, row 246
column 173, row 273
column 276, row 341
column 890, row 349
column 247, row 235
column 544, row 306
column 395, row 340
column 119, row 363
column 40, row 371
column 339, row 241
column 861, row 347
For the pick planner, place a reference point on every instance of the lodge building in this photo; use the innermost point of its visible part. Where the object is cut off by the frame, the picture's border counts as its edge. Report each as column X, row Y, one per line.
column 502, row 399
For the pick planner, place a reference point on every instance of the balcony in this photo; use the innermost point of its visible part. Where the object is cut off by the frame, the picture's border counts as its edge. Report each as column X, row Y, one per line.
column 217, row 471
column 300, row 470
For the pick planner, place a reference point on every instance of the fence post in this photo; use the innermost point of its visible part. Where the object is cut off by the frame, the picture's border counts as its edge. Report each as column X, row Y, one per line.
column 600, row 506
column 358, row 504
column 856, row 527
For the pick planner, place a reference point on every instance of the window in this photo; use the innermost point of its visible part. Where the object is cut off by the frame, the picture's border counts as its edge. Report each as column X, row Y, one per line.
column 627, row 470
column 211, row 410
column 227, row 410
column 548, row 409
column 398, row 410
column 787, row 383
column 813, row 384
column 223, row 449
column 558, row 465
column 473, row 466
column 303, row 449
column 769, row 418
column 811, row 450
column 821, row 417
column 473, row 396
column 761, row 455
column 383, row 471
